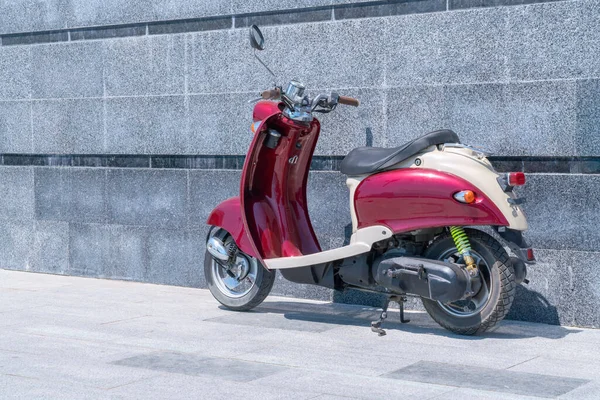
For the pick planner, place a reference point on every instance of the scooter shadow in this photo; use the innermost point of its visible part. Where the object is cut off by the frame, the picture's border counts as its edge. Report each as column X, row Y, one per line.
column 420, row 322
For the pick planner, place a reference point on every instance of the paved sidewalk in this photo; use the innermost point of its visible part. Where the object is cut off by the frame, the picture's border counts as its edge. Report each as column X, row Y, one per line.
column 77, row 338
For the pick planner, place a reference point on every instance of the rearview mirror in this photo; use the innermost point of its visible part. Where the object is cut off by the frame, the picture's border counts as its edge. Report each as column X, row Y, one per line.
column 257, row 41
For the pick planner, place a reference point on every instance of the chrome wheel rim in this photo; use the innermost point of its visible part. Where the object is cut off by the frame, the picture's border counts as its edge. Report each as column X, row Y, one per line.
column 473, row 305
column 240, row 279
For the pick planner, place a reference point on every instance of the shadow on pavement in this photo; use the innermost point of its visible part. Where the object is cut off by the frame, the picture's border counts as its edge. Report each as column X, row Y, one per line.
column 349, row 315
column 530, row 305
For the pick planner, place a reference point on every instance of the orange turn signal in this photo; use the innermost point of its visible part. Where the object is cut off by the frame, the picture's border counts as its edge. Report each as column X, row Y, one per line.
column 465, row 196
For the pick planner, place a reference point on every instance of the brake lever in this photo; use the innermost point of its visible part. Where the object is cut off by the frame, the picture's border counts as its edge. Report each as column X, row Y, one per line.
column 255, row 100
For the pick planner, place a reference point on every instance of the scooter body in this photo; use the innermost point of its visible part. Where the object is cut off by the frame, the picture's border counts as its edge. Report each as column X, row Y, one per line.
column 403, row 202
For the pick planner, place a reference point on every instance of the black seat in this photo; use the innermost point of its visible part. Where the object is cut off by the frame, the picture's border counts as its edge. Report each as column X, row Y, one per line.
column 366, row 160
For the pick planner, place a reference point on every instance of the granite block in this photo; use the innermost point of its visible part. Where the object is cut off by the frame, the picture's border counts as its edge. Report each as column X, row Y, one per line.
column 67, row 70
column 126, row 256
column 207, row 189
column 155, row 198
column 346, row 128
column 146, row 125
column 89, row 246
column 346, row 54
column 16, row 193
column 16, row 240
column 439, row 48
column 477, row 113
column 49, row 200
column 220, row 124
column 412, row 112
column 241, row 6
column 562, row 211
column 71, row 194
column 535, row 118
column 329, row 208
column 15, row 127
column 110, row 12
column 174, row 257
column 50, row 247
column 144, row 66
column 176, row 9
column 587, row 133
column 68, row 126
column 551, row 37
column 584, row 286
column 15, row 72
column 33, row 15
column 541, row 118
column 545, row 299
column 84, row 195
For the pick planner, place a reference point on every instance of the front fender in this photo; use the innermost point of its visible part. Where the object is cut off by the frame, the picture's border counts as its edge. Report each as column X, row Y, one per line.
column 228, row 216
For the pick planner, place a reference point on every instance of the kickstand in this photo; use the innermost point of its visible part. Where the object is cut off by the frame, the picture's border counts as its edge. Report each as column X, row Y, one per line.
column 376, row 325
column 401, row 300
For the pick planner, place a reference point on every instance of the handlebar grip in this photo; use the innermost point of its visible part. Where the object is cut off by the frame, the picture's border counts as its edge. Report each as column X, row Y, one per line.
column 349, row 101
column 270, row 94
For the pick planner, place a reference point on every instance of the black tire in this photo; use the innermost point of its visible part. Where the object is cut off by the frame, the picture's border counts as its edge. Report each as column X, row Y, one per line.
column 257, row 294
column 502, row 282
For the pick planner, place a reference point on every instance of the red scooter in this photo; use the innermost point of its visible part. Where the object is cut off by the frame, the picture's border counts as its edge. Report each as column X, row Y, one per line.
column 409, row 206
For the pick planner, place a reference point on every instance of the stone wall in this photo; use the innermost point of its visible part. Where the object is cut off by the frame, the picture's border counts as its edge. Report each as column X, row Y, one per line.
column 122, row 124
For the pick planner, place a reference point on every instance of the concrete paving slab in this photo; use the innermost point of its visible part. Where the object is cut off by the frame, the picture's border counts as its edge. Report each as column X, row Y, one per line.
column 70, row 338
column 489, row 379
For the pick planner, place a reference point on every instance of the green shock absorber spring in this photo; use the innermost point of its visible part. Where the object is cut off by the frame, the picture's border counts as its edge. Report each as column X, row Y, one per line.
column 461, row 241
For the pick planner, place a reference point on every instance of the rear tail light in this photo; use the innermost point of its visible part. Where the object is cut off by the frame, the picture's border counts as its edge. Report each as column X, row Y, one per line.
column 530, row 256
column 515, row 178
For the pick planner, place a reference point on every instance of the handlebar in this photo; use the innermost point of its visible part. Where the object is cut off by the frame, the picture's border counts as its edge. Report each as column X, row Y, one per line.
column 349, row 101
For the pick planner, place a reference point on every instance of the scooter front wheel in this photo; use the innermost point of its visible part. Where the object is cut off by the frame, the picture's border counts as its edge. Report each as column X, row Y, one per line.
column 491, row 303
column 239, row 287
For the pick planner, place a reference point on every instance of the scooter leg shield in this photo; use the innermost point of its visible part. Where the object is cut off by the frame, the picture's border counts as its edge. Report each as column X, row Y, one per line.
column 436, row 280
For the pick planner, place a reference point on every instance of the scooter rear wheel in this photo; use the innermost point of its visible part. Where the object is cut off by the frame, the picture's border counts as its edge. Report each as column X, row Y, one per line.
column 243, row 287
column 492, row 302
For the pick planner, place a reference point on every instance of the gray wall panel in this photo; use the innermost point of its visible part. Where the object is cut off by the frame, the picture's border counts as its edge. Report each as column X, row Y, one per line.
column 16, row 242
column 147, row 197
column 552, row 38
column 15, row 72
column 15, row 127
column 16, row 193
column 562, row 211
column 412, row 112
column 67, row 70
column 71, row 126
column 144, row 66
column 146, row 125
column 33, row 15
column 51, row 247
column 220, row 123
column 587, row 134
column 442, row 48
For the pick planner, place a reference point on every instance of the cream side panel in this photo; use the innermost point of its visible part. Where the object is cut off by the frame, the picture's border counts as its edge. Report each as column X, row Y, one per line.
column 360, row 242
column 352, row 183
column 465, row 164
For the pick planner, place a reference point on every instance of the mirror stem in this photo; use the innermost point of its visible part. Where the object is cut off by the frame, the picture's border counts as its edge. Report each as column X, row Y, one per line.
column 264, row 65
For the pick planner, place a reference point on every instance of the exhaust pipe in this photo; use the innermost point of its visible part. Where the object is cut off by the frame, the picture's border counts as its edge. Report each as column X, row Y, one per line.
column 216, row 249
